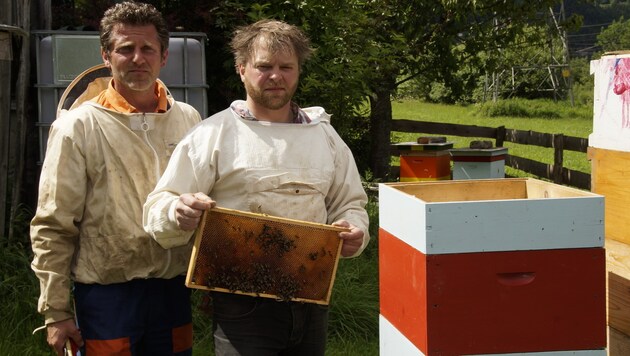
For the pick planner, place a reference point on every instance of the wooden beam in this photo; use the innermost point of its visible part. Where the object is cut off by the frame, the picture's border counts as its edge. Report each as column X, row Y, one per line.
column 20, row 126
column 443, row 129
column 5, row 119
column 618, row 271
column 558, row 157
column 610, row 175
column 618, row 343
column 536, row 168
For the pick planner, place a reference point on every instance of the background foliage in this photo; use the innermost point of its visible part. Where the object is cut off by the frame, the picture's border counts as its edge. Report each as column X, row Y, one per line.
column 366, row 49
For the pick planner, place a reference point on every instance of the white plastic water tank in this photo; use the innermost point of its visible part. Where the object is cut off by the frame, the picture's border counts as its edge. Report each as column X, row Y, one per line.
column 63, row 55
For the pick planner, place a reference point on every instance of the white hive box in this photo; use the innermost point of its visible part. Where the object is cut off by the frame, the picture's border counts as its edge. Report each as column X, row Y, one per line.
column 611, row 103
column 472, row 163
column 491, row 266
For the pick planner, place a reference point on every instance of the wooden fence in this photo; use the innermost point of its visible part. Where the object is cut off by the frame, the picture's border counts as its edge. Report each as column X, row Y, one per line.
column 559, row 142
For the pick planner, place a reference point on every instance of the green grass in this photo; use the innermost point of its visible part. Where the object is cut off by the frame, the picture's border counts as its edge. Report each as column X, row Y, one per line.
column 19, row 291
column 536, row 115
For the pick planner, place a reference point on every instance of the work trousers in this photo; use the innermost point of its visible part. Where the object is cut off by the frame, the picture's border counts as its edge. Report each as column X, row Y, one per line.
column 141, row 317
column 254, row 326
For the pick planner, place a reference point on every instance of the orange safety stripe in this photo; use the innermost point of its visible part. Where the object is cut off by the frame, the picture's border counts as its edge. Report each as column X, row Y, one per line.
column 118, row 347
column 182, row 338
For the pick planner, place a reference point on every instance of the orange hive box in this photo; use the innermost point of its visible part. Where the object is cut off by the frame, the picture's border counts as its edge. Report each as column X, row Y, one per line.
column 266, row 256
column 425, row 165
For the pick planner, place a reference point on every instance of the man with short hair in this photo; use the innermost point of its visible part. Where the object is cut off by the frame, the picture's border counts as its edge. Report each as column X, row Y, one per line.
column 263, row 155
column 102, row 160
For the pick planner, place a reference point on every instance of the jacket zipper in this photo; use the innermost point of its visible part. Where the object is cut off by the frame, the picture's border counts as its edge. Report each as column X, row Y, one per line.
column 144, row 126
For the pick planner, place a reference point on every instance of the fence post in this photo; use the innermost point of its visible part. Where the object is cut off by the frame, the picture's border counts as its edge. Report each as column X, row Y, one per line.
column 500, row 136
column 558, row 147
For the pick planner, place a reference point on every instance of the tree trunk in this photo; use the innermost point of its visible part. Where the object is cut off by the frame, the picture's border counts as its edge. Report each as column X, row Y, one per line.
column 380, row 129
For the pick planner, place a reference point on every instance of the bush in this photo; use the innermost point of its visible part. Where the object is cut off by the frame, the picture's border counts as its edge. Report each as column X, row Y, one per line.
column 582, row 82
column 540, row 108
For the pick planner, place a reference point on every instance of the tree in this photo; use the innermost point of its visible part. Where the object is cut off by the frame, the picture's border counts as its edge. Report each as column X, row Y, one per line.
column 434, row 39
column 616, row 37
column 365, row 50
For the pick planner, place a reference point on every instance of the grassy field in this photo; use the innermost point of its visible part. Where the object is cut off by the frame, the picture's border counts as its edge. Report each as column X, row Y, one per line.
column 541, row 116
column 354, row 304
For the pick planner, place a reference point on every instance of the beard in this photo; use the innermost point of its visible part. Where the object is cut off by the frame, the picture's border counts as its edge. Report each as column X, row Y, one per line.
column 270, row 100
column 138, row 82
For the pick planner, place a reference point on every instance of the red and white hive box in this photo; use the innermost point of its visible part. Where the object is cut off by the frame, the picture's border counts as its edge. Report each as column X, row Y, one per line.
column 491, row 266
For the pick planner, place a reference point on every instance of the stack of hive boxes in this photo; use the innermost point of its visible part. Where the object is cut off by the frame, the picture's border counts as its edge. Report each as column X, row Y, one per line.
column 609, row 152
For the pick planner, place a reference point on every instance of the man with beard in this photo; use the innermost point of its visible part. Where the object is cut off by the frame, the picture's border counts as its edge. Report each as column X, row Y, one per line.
column 263, row 155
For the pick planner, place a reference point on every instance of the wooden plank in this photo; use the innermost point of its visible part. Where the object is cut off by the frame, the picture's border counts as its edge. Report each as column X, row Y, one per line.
column 578, row 144
column 42, row 14
column 466, row 190
column 500, row 136
column 558, row 158
column 618, row 343
column 6, row 52
column 19, row 127
column 536, row 168
column 576, row 179
column 265, row 217
column 529, row 137
column 529, row 224
column 5, row 115
column 443, row 129
column 610, row 177
column 618, row 272
column 540, row 189
column 522, row 137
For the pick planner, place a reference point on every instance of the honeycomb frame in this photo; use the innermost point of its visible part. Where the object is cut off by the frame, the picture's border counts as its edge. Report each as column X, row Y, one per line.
column 266, row 256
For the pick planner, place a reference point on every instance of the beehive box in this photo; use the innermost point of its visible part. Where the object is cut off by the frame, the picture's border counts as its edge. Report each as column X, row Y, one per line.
column 424, row 161
column 261, row 255
column 609, row 152
column 491, row 266
column 424, row 165
column 473, row 163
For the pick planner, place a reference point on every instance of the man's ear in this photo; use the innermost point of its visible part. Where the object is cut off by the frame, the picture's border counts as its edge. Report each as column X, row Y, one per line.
column 164, row 57
column 240, row 68
column 105, row 56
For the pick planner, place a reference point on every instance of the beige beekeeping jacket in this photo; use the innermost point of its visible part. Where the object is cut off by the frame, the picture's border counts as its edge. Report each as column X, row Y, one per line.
column 298, row 171
column 100, row 165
